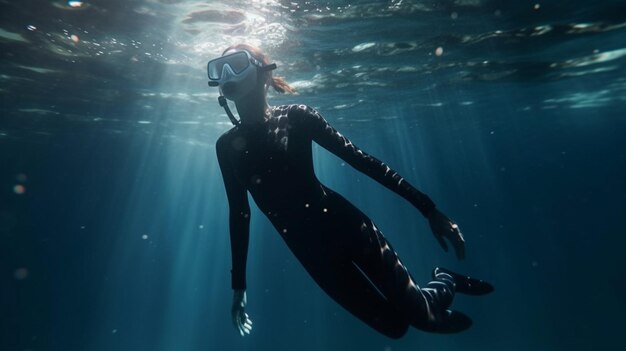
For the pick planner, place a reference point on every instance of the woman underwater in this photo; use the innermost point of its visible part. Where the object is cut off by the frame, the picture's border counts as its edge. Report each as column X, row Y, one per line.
column 269, row 154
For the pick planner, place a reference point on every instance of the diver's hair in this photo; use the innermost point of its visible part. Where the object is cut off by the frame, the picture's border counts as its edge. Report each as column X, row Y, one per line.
column 278, row 83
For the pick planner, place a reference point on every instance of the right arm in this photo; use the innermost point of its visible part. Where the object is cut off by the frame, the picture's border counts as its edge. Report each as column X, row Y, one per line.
column 238, row 214
column 239, row 225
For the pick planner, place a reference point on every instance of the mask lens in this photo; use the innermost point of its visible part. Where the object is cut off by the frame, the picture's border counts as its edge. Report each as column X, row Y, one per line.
column 214, row 68
column 238, row 62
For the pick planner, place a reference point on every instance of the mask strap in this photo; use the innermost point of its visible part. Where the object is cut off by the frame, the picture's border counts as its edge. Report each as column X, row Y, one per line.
column 270, row 67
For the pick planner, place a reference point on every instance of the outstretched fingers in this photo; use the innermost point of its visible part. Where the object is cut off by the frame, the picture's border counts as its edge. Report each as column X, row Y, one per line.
column 457, row 241
column 243, row 323
column 444, row 230
column 247, row 324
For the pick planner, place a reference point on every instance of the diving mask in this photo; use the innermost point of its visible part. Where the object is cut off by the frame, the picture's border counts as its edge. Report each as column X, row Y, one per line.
column 235, row 74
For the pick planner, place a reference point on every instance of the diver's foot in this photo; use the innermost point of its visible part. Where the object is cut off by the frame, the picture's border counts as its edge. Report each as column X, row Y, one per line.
column 466, row 285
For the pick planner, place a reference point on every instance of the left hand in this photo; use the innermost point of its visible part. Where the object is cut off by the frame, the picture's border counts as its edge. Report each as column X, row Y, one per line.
column 443, row 227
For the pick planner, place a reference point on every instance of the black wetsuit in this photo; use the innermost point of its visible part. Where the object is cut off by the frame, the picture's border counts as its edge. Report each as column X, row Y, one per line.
column 337, row 244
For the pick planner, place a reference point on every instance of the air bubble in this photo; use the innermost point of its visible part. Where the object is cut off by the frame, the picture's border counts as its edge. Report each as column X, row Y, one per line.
column 19, row 189
column 21, row 273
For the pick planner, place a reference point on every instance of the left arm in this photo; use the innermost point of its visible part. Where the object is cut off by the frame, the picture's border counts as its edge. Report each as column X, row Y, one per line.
column 330, row 139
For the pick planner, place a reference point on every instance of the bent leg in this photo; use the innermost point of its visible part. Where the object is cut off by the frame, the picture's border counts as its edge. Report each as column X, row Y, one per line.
column 425, row 308
column 349, row 287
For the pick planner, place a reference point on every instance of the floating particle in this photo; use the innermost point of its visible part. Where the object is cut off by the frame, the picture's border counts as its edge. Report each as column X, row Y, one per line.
column 82, row 227
column 75, row 4
column 113, row 331
column 537, row 6
column 454, row 15
column 144, row 237
column 534, row 263
column 21, row 177
column 325, row 210
column 75, row 38
column 497, row 13
column 19, row 189
column 285, row 230
column 439, row 51
column 21, row 273
column 306, row 205
column 31, row 28
column 201, row 226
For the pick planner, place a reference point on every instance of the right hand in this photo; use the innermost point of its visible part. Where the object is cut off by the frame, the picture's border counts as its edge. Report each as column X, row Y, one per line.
column 240, row 318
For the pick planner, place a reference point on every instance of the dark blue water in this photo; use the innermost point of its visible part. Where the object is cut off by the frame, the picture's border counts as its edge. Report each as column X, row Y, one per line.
column 113, row 216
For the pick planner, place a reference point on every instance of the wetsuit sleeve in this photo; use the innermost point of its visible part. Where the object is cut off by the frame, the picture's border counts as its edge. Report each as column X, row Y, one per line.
column 329, row 138
column 239, row 216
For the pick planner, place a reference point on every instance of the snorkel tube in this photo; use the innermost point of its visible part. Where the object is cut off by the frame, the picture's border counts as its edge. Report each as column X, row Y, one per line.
column 222, row 101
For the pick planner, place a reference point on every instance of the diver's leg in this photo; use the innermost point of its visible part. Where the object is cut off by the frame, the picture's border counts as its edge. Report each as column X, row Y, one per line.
column 349, row 287
column 426, row 308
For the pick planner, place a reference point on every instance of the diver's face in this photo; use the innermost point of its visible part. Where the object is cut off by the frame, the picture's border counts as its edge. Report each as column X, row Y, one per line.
column 235, row 85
